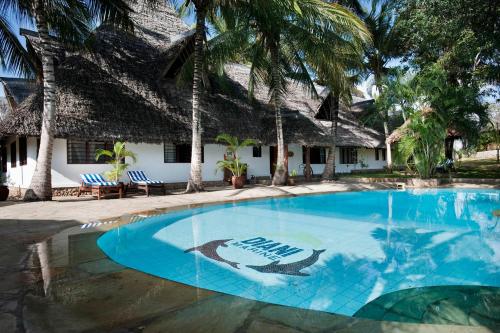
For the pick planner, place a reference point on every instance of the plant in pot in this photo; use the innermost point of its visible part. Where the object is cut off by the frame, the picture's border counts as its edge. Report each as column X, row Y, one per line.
column 232, row 162
column 116, row 158
column 4, row 188
column 237, row 169
column 291, row 177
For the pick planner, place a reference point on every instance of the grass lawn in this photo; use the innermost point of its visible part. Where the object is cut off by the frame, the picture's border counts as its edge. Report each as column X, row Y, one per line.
column 467, row 168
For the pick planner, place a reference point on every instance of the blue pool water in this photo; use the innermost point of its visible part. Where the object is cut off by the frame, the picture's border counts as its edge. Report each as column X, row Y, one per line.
column 331, row 252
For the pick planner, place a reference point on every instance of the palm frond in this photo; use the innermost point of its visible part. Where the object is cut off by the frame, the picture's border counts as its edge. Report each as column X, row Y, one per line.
column 13, row 56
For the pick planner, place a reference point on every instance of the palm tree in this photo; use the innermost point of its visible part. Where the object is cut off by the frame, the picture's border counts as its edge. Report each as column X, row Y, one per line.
column 380, row 22
column 288, row 40
column 340, row 91
column 203, row 9
column 13, row 56
column 68, row 21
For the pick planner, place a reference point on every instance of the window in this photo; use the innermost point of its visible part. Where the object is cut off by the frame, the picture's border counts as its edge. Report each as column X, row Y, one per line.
column 13, row 155
column 348, row 156
column 23, row 151
column 377, row 154
column 318, row 155
column 4, row 159
column 83, row 152
column 257, row 151
column 179, row 153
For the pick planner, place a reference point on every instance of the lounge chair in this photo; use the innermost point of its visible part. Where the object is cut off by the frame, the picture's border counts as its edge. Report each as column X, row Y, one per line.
column 141, row 181
column 97, row 185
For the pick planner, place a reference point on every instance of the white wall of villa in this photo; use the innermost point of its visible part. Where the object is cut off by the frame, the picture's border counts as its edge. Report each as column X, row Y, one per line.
column 150, row 158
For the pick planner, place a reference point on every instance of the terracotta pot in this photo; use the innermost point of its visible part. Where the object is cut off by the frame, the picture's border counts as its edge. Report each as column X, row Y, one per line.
column 291, row 181
column 4, row 192
column 238, row 182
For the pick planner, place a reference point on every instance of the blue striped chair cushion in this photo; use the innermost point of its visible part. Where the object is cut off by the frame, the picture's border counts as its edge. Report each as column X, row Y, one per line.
column 96, row 179
column 139, row 177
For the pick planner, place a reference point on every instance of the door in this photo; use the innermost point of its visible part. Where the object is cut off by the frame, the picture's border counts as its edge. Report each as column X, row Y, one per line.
column 273, row 159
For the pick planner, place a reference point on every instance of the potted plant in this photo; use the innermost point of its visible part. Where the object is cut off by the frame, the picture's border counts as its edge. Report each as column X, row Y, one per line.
column 4, row 189
column 291, row 177
column 116, row 159
column 233, row 162
column 237, row 169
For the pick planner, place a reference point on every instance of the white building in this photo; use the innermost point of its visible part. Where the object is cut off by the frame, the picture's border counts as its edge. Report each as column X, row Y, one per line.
column 125, row 89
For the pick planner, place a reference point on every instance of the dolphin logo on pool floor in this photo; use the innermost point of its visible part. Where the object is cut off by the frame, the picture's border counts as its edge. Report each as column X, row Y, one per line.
column 292, row 268
column 209, row 250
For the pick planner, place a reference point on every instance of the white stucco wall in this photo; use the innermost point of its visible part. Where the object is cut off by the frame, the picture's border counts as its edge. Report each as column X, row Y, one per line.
column 150, row 159
column 20, row 175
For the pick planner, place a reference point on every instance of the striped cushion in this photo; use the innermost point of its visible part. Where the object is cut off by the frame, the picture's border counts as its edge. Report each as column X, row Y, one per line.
column 96, row 179
column 139, row 177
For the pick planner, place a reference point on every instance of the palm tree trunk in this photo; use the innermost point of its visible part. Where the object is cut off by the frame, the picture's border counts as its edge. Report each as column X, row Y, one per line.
column 385, row 118
column 281, row 173
column 388, row 152
column 329, row 171
column 41, row 183
column 308, row 169
column 195, row 182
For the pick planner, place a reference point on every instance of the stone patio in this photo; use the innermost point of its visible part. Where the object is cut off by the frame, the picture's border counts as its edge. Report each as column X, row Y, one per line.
column 55, row 278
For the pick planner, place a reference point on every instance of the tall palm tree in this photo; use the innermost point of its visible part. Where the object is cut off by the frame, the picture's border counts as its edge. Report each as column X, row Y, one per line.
column 202, row 8
column 380, row 22
column 288, row 40
column 340, row 92
column 59, row 21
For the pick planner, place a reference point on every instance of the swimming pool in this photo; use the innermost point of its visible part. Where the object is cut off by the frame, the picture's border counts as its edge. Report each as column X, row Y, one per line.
column 329, row 252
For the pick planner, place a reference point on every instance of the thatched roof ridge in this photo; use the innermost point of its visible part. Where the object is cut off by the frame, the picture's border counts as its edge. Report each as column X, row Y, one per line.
column 117, row 91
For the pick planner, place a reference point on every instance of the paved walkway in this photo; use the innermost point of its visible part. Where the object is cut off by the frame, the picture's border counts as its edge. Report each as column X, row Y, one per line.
column 86, row 208
column 23, row 308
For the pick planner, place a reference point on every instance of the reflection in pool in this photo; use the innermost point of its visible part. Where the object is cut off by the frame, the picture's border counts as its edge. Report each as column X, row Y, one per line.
column 330, row 252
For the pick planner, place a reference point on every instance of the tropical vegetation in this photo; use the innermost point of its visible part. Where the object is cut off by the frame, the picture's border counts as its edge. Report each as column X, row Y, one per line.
column 232, row 161
column 68, row 22
column 286, row 41
column 117, row 159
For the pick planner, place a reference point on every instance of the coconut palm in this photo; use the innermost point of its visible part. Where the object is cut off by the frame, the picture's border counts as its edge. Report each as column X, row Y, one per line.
column 340, row 92
column 13, row 56
column 380, row 22
column 202, row 9
column 68, row 22
column 288, row 40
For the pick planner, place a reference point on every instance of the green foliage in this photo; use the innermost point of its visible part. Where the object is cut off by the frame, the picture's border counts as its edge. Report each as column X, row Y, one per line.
column 422, row 144
column 233, row 144
column 116, row 159
column 233, row 162
column 311, row 36
column 234, row 165
column 13, row 56
column 459, row 106
column 294, row 173
column 461, row 35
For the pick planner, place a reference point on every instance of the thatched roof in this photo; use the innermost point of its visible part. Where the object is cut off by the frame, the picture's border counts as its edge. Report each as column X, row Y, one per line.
column 119, row 90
